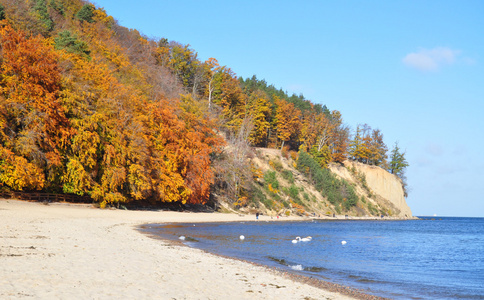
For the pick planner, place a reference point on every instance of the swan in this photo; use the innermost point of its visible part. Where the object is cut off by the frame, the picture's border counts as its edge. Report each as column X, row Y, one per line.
column 242, row 237
column 306, row 239
column 343, row 242
column 294, row 241
column 182, row 237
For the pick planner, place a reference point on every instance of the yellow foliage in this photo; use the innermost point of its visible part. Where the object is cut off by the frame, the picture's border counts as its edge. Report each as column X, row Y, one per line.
column 17, row 173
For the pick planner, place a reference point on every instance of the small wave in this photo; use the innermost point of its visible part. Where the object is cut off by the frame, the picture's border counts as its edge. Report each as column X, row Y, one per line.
column 280, row 261
column 315, row 269
column 297, row 267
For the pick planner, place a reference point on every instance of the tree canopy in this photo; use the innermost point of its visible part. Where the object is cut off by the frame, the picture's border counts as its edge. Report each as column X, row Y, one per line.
column 89, row 107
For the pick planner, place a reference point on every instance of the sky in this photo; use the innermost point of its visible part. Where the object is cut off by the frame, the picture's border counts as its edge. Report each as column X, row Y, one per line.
column 413, row 69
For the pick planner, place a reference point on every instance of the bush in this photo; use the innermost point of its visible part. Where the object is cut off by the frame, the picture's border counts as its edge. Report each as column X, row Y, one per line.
column 271, row 179
column 276, row 164
column 287, row 175
column 293, row 192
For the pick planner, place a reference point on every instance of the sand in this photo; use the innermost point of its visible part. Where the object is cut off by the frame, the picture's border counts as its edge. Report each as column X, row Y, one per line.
column 71, row 251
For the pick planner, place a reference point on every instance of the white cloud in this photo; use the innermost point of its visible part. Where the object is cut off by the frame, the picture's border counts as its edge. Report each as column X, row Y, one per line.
column 431, row 59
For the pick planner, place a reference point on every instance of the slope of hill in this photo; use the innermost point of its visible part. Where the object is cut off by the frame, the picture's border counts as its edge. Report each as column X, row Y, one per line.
column 281, row 189
column 93, row 109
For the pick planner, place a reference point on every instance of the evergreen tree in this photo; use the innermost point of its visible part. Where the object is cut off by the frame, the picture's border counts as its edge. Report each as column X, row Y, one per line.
column 86, row 13
column 41, row 8
column 2, row 12
column 398, row 163
column 71, row 44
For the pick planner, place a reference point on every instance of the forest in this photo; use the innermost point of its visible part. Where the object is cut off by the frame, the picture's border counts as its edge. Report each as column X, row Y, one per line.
column 88, row 107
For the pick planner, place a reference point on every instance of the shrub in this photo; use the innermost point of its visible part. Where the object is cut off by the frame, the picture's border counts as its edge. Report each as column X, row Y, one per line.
column 293, row 192
column 271, row 180
column 287, row 175
column 276, row 165
column 285, row 151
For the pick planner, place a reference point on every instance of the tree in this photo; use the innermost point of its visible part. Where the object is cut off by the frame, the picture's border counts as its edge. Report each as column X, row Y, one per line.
column 339, row 144
column 2, row 12
column 286, row 120
column 86, row 13
column 66, row 40
column 259, row 109
column 232, row 166
column 378, row 149
column 228, row 94
column 398, row 163
column 41, row 8
column 356, row 149
column 30, row 85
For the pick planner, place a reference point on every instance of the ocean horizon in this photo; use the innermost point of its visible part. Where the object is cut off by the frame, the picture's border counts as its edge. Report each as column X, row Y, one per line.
column 433, row 257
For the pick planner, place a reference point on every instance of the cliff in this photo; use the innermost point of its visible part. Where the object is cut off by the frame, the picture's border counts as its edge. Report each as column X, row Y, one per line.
column 280, row 188
column 378, row 186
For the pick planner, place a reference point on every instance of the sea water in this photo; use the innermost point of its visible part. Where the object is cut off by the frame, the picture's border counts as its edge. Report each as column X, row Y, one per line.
column 430, row 258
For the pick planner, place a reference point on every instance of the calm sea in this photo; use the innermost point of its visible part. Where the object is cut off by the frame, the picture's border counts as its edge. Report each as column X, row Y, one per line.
column 431, row 258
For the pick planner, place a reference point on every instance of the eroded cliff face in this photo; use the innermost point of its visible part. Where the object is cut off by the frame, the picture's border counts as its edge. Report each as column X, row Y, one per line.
column 383, row 189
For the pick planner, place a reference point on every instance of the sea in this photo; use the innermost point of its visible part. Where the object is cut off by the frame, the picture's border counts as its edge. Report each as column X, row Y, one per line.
column 428, row 258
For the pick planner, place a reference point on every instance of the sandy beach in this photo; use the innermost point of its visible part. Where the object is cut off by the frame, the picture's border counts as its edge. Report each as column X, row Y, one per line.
column 72, row 251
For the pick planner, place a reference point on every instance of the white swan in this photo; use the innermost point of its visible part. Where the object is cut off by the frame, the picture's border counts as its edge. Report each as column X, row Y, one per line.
column 294, row 241
column 343, row 242
column 306, row 239
column 242, row 237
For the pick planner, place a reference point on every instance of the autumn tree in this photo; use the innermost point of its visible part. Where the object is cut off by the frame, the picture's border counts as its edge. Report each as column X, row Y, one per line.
column 228, row 94
column 259, row 110
column 378, row 149
column 38, row 129
column 339, row 144
column 286, row 120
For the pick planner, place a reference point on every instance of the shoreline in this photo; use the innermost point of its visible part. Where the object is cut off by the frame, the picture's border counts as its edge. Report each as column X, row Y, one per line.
column 63, row 250
column 345, row 290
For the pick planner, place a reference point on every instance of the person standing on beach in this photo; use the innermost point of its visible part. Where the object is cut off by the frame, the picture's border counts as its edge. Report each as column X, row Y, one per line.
column 257, row 216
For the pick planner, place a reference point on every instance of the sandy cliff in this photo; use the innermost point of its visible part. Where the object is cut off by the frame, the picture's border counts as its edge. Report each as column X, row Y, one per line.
column 386, row 189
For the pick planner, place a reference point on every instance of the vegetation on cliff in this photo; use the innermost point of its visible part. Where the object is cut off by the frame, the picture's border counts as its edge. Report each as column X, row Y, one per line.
column 89, row 107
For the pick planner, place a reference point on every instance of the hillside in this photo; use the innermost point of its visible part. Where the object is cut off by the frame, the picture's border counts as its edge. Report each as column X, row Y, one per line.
column 281, row 189
column 94, row 110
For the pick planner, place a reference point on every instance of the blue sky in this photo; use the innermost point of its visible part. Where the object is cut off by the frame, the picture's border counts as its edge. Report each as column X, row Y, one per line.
column 413, row 69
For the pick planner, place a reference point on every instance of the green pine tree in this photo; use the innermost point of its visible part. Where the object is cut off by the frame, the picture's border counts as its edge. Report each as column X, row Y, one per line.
column 86, row 13
column 2, row 12
column 398, row 163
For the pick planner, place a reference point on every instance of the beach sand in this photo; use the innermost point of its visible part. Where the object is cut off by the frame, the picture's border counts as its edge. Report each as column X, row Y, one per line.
column 75, row 251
